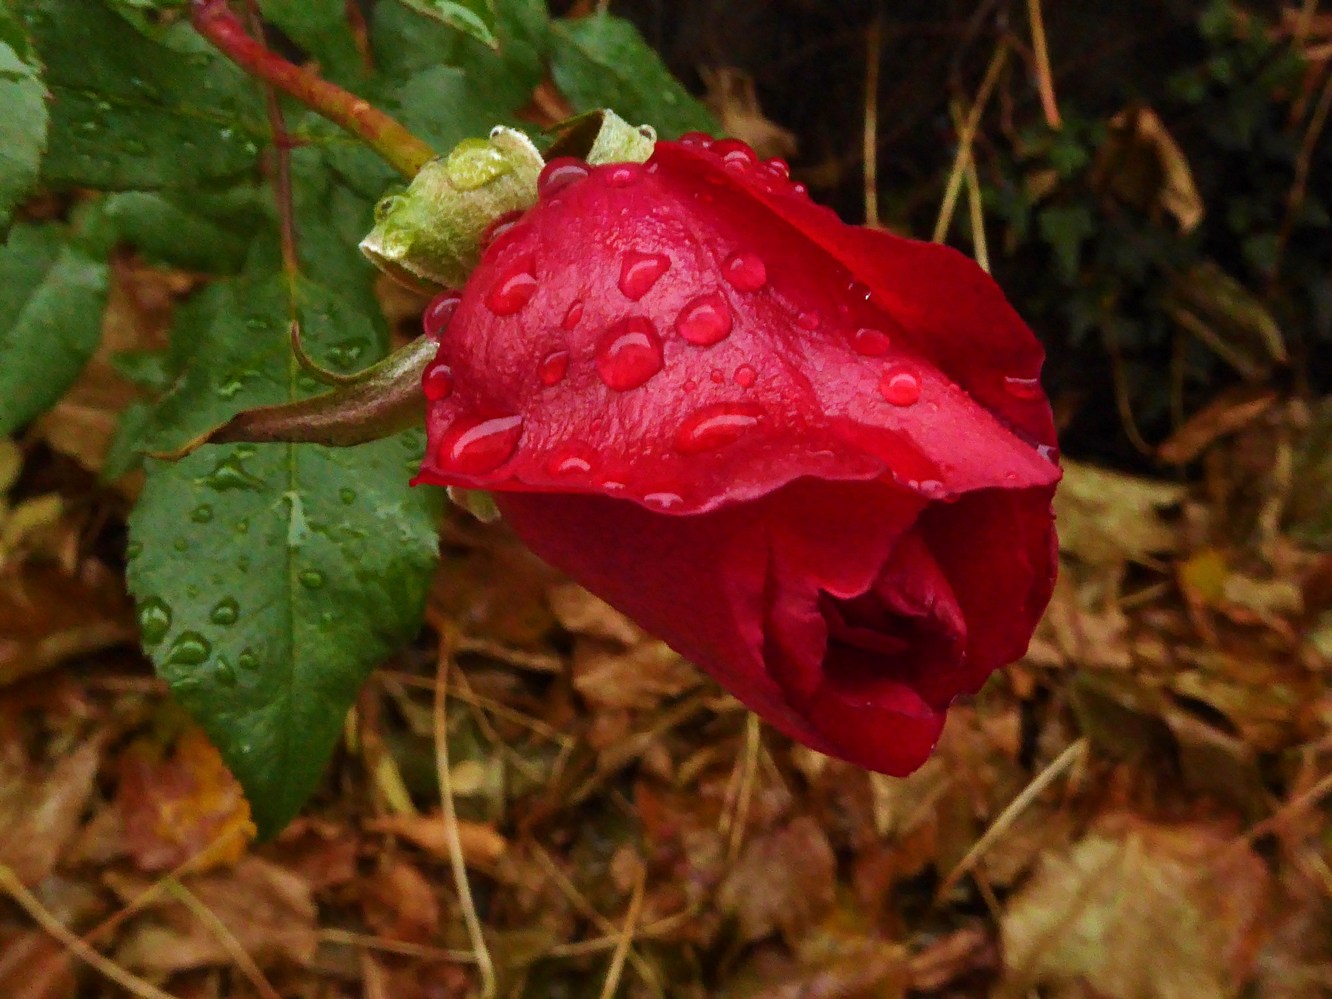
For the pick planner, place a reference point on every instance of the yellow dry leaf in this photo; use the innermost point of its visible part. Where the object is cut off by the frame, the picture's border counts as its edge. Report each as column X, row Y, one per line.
column 1106, row 517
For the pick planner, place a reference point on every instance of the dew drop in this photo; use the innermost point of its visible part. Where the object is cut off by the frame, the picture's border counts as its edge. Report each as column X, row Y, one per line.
column 735, row 151
column 705, row 320
column 559, row 173
column 699, row 140
column 201, row 514
column 624, row 174
column 716, row 375
column 247, row 660
column 715, row 426
column 511, row 292
column 745, row 271
column 154, row 620
column 1028, row 389
column 809, row 321
column 639, row 271
column 745, row 376
column 437, row 383
column 181, row 545
column 190, row 649
column 663, row 501
column 312, row 579
column 778, row 167
column 1048, row 451
column 689, row 385
column 901, row 388
column 567, row 463
column 500, row 227
column 554, row 368
column 348, row 496
column 870, row 342
column 226, row 676
column 474, row 446
column 229, row 474
column 573, row 316
column 931, row 489
column 438, row 314
column 858, row 291
column 226, row 612
column 242, row 526
column 474, row 163
column 629, row 354
column 133, row 550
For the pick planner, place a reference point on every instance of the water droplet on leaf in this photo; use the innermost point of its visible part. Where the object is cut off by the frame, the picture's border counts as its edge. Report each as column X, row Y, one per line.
column 190, row 649
column 475, row 163
column 229, row 474
column 201, row 514
column 311, row 579
column 154, row 620
column 226, row 676
column 226, row 612
column 629, row 354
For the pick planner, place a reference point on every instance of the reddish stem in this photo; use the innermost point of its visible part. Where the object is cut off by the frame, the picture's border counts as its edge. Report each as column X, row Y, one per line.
column 399, row 147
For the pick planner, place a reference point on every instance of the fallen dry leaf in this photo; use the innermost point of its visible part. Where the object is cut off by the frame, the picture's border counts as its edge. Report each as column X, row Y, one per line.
column 39, row 815
column 732, row 98
column 1137, row 910
column 1106, row 517
column 482, row 844
column 1142, row 165
column 783, row 881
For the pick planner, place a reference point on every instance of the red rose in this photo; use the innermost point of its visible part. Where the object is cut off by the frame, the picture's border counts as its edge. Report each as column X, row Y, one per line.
column 814, row 458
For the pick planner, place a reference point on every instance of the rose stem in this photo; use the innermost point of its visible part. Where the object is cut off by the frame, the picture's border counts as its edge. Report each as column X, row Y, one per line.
column 399, row 147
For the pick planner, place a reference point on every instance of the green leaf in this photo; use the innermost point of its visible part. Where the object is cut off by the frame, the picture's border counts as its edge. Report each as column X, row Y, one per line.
column 51, row 300
column 602, row 61
column 130, row 113
column 24, row 120
column 474, row 17
column 270, row 579
column 205, row 231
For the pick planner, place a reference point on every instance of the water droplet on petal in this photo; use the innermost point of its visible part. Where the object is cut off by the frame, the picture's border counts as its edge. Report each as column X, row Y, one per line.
column 1048, row 451
column 474, row 446
column 745, row 376
column 663, row 501
column 699, row 139
column 736, row 156
column 1028, row 389
column 435, row 320
column 190, row 649
column 745, row 271
column 500, row 227
column 809, row 321
column 799, row 188
column 716, row 375
column 511, row 292
column 715, row 426
column 629, row 353
column 899, row 387
column 931, row 489
column 437, row 383
column 554, row 367
column 689, row 385
column 639, row 272
column 226, row 612
column 154, row 620
column 573, row 316
column 705, row 320
column 624, row 174
column 870, row 342
column 778, row 167
column 568, row 463
column 559, row 173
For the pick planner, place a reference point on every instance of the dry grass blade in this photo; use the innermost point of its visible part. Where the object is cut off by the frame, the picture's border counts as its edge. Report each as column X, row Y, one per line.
column 474, row 931
column 616, row 969
column 1044, row 78
column 1064, row 761
column 735, row 827
column 873, row 40
column 964, row 142
column 224, row 936
column 365, row 941
column 30, row 904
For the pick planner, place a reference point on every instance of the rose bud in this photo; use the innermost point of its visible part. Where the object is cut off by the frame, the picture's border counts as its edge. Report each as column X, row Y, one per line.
column 815, row 458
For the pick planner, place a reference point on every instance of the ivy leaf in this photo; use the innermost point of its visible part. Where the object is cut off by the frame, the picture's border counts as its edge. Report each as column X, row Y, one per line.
column 602, row 61
column 204, row 231
column 474, row 17
column 51, row 299
column 270, row 579
column 24, row 122
column 128, row 112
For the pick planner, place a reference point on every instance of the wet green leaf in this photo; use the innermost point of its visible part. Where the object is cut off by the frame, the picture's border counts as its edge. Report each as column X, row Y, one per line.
column 24, row 121
column 474, row 17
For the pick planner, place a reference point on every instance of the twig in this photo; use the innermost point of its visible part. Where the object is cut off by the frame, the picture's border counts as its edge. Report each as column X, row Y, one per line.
column 445, row 775
column 220, row 931
column 1303, row 161
column 42, row 916
column 1044, row 78
column 965, row 140
column 399, row 147
column 873, row 40
column 1009, row 815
